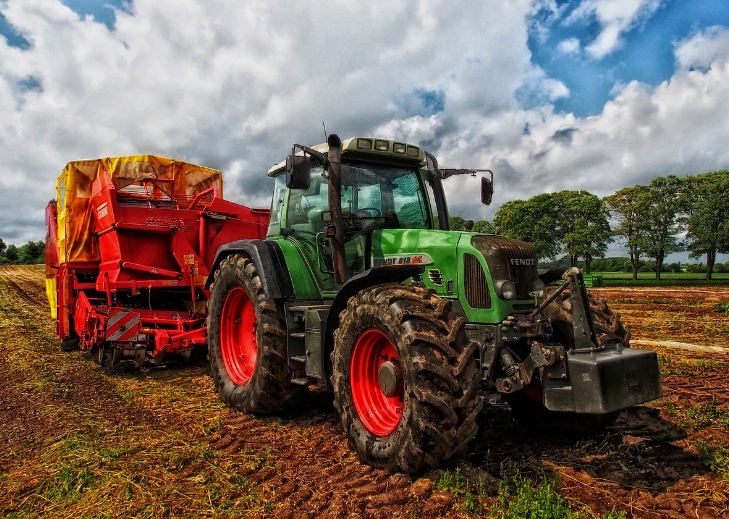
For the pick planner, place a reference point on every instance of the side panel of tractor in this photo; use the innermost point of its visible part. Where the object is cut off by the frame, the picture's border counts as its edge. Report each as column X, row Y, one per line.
column 130, row 243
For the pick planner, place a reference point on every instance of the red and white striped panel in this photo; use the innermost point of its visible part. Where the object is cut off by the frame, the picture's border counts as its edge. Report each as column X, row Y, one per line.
column 122, row 326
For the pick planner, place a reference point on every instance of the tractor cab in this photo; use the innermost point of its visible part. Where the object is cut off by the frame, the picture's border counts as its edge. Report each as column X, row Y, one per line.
column 382, row 185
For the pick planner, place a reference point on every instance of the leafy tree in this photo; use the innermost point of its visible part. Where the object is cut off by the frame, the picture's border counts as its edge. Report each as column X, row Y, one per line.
column 721, row 268
column 629, row 207
column 662, row 224
column 612, row 264
column 707, row 208
column 533, row 221
column 31, row 253
column 575, row 222
column 2, row 246
column 11, row 253
column 583, row 225
column 484, row 226
column 457, row 223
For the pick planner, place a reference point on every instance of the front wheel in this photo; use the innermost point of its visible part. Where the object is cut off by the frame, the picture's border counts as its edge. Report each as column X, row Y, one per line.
column 405, row 378
column 247, row 341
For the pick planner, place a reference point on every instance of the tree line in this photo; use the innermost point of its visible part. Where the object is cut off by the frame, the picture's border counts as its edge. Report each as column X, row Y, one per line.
column 31, row 253
column 649, row 221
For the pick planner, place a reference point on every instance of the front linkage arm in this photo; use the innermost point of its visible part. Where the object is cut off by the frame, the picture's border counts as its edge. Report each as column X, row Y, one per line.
column 520, row 374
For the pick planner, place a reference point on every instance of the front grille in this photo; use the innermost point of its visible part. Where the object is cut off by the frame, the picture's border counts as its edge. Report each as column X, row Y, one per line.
column 436, row 277
column 509, row 259
column 477, row 288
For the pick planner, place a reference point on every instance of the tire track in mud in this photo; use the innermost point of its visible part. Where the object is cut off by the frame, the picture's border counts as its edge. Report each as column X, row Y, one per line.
column 38, row 378
column 310, row 471
column 23, row 298
column 302, row 463
column 27, row 279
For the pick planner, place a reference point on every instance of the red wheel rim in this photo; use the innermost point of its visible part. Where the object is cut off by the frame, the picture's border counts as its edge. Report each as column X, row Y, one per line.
column 238, row 343
column 378, row 412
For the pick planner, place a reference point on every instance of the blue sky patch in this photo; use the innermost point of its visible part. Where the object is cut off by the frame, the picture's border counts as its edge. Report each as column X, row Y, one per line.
column 15, row 39
column 645, row 55
column 423, row 102
column 102, row 12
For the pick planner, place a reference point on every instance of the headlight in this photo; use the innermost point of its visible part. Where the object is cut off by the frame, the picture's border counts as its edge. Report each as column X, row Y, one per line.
column 508, row 290
column 539, row 287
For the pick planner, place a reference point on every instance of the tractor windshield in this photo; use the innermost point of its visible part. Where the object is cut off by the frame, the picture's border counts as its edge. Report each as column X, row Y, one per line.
column 372, row 198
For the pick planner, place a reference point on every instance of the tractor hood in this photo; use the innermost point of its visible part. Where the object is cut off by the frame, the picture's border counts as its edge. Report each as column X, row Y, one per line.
column 468, row 266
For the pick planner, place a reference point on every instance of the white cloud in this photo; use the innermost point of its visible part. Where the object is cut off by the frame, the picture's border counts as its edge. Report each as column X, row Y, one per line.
column 569, row 46
column 678, row 127
column 233, row 86
column 701, row 50
column 615, row 18
column 224, row 83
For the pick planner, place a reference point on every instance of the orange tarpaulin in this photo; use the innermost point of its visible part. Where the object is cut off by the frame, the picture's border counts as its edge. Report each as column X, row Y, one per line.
column 173, row 178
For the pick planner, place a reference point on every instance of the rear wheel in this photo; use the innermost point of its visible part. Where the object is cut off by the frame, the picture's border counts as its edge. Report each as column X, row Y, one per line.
column 247, row 341
column 405, row 378
column 527, row 407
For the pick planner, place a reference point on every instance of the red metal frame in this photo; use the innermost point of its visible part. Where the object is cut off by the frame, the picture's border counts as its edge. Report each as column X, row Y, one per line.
column 148, row 287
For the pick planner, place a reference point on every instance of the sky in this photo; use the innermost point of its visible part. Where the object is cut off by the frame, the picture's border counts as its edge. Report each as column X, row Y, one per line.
column 549, row 94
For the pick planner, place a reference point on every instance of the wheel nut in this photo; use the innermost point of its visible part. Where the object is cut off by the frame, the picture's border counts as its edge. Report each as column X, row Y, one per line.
column 389, row 378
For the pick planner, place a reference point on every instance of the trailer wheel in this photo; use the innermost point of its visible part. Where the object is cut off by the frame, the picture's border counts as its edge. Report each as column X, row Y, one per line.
column 405, row 378
column 70, row 343
column 527, row 407
column 247, row 341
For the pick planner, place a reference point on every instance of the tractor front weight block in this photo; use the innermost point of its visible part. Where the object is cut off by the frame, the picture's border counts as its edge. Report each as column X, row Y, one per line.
column 600, row 382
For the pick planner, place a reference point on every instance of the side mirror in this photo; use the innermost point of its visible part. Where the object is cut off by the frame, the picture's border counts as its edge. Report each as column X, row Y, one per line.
column 487, row 190
column 298, row 171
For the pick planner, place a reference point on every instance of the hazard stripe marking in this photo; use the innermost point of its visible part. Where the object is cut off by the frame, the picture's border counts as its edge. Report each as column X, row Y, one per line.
column 122, row 326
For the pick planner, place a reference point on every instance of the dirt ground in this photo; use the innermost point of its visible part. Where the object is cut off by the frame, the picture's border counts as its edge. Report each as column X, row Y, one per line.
column 80, row 442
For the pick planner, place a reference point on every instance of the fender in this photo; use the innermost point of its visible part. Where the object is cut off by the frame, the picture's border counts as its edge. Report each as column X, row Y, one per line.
column 368, row 278
column 269, row 261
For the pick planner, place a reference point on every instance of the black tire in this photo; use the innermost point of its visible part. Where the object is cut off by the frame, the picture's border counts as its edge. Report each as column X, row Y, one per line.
column 70, row 343
column 531, row 413
column 439, row 377
column 268, row 387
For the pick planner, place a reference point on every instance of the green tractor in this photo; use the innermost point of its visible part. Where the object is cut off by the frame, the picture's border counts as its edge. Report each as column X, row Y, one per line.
column 361, row 287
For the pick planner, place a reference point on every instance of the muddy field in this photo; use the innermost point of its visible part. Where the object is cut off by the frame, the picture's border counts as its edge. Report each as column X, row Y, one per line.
column 81, row 442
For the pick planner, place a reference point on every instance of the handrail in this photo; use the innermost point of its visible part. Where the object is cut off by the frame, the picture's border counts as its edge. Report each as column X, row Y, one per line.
column 214, row 189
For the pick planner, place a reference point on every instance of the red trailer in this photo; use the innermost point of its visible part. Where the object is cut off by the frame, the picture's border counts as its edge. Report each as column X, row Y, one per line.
column 130, row 242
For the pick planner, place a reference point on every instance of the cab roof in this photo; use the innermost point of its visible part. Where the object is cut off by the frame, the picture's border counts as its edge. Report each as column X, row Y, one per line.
column 368, row 148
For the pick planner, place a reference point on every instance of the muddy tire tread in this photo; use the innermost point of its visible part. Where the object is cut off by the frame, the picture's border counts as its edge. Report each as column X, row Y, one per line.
column 441, row 377
column 269, row 389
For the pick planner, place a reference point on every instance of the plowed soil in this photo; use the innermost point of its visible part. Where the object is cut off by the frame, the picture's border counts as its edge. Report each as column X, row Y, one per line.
column 78, row 441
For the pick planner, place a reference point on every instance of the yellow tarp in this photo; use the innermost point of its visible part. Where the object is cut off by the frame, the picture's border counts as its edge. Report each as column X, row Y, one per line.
column 73, row 192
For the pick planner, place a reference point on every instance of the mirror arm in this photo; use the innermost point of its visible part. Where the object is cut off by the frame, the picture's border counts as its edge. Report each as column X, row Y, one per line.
column 310, row 151
column 445, row 173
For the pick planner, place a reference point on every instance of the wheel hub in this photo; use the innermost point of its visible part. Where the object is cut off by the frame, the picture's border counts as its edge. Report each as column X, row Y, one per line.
column 389, row 378
column 377, row 382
